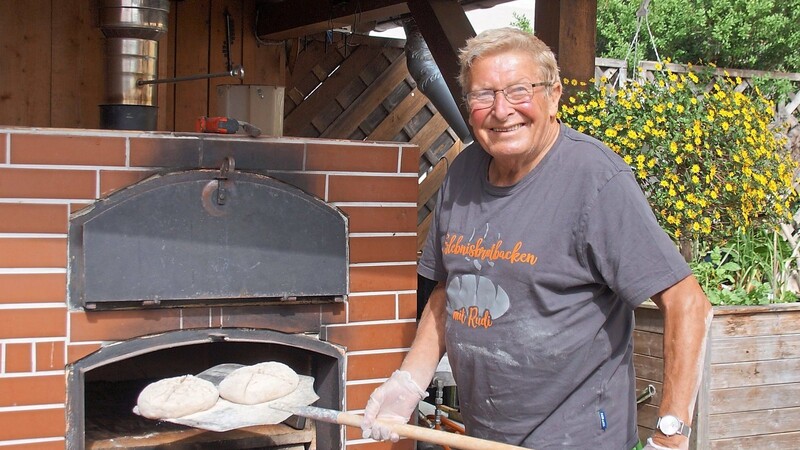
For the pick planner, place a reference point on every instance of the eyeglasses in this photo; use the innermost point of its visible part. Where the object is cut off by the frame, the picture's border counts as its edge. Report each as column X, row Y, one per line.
column 514, row 94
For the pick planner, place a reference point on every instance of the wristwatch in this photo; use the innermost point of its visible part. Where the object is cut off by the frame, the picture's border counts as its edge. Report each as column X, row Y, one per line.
column 671, row 425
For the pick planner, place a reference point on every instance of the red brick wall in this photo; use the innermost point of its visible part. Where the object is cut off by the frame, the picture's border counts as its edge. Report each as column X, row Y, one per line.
column 46, row 174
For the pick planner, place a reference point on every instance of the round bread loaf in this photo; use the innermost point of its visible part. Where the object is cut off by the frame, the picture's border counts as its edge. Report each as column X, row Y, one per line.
column 259, row 383
column 175, row 397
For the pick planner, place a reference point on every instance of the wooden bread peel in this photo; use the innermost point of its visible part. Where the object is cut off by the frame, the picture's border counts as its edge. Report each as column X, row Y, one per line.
column 459, row 441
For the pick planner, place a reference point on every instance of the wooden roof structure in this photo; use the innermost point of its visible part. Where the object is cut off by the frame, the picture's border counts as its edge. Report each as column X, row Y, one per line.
column 567, row 26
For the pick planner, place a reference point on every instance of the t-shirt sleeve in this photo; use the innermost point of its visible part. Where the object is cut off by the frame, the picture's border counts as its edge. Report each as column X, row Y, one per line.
column 625, row 244
column 430, row 263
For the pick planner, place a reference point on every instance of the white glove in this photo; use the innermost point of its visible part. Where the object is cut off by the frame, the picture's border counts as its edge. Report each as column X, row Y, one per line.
column 653, row 446
column 393, row 401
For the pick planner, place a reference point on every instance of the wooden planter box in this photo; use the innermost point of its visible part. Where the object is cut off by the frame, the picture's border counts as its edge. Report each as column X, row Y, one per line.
column 750, row 394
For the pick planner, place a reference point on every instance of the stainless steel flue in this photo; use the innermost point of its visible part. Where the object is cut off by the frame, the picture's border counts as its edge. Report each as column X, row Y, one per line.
column 132, row 29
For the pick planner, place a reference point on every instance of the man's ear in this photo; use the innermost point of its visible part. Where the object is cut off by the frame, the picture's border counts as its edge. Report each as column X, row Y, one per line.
column 555, row 98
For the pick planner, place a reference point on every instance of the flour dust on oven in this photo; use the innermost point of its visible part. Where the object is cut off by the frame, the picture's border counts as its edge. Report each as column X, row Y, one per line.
column 247, row 267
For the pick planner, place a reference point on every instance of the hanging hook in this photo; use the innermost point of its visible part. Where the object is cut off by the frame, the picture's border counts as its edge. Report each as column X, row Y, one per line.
column 227, row 168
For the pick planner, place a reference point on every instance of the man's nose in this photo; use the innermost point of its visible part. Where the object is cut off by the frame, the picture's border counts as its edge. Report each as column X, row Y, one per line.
column 501, row 104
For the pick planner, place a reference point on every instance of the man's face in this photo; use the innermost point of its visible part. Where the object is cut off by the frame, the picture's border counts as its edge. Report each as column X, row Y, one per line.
column 508, row 131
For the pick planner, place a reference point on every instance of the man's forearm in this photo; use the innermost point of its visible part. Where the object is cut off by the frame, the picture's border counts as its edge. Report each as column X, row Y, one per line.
column 428, row 346
column 687, row 316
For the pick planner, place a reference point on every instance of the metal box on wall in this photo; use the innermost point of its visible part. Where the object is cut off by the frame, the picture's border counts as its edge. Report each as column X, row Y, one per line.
column 260, row 105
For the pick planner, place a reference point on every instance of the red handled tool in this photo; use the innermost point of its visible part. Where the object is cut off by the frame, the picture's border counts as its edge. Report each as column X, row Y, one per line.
column 224, row 125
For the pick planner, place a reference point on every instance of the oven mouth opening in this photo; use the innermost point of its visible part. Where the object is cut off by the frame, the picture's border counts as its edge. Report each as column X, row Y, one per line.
column 102, row 388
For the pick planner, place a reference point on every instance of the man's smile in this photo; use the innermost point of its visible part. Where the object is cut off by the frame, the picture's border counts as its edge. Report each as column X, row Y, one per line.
column 504, row 130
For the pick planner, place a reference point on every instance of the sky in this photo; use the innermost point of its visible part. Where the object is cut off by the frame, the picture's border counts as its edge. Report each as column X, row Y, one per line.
column 483, row 19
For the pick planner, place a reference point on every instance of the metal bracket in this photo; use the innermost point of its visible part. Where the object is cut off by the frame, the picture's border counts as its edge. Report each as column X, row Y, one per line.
column 227, row 168
column 646, row 393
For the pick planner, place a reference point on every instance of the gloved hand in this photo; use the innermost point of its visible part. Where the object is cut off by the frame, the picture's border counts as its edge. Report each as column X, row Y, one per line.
column 653, row 446
column 393, row 401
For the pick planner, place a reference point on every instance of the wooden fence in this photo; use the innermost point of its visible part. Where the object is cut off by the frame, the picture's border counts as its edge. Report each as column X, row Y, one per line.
column 615, row 71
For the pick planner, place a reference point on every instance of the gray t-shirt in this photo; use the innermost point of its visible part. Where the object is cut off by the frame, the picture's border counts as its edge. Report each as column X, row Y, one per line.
column 542, row 278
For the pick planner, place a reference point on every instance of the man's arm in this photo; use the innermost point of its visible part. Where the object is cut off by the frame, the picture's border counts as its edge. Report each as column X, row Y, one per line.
column 397, row 398
column 687, row 317
column 428, row 346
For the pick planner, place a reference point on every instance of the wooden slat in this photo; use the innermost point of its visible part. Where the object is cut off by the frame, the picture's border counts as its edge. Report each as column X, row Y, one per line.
column 648, row 318
column 264, row 436
column 648, row 344
column 25, row 40
column 701, row 435
column 369, row 99
column 78, row 77
column 648, row 368
column 755, row 373
column 398, row 118
column 754, row 398
column 753, row 423
column 756, row 348
column 191, row 52
column 428, row 133
column 756, row 324
column 777, row 441
column 299, row 17
column 264, row 63
column 165, row 92
column 333, row 84
column 430, row 185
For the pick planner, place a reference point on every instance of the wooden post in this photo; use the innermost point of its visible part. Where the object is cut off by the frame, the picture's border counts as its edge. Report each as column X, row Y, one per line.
column 569, row 28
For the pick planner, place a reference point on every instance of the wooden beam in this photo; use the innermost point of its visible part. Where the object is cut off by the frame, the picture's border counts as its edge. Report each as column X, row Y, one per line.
column 445, row 27
column 283, row 20
column 569, row 28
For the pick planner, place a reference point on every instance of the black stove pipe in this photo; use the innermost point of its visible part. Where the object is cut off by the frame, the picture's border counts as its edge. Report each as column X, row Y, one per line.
column 429, row 79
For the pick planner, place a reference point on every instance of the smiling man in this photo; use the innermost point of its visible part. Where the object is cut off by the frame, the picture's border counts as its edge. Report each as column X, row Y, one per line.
column 542, row 246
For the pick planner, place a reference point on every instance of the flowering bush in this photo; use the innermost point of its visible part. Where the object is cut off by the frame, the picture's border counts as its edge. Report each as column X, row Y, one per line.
column 704, row 154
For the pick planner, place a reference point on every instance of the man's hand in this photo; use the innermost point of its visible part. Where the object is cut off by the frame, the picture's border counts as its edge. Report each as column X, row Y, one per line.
column 393, row 401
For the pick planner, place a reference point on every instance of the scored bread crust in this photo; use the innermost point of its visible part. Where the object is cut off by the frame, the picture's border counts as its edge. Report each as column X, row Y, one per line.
column 259, row 383
column 175, row 397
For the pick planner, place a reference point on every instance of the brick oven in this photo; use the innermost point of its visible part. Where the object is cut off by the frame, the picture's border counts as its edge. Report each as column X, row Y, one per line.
column 83, row 332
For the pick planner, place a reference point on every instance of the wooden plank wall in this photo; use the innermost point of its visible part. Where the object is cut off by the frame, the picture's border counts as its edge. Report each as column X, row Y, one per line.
column 53, row 61
column 356, row 87
column 750, row 396
column 754, row 379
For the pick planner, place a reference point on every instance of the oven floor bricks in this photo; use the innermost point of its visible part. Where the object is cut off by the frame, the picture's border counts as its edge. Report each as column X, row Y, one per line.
column 47, row 174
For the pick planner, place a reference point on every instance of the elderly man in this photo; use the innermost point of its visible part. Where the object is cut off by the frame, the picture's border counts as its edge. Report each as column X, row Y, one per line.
column 542, row 246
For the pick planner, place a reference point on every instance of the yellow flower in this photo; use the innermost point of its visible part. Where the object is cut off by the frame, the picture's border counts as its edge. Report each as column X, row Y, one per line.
column 709, row 162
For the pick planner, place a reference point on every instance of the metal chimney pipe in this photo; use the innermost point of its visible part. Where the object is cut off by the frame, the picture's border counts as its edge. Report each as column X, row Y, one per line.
column 132, row 29
column 425, row 72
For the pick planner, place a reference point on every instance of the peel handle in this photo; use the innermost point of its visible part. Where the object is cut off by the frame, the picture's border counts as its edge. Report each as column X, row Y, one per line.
column 459, row 441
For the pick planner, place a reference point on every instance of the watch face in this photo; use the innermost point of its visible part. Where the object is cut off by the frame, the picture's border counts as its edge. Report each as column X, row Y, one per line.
column 669, row 425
